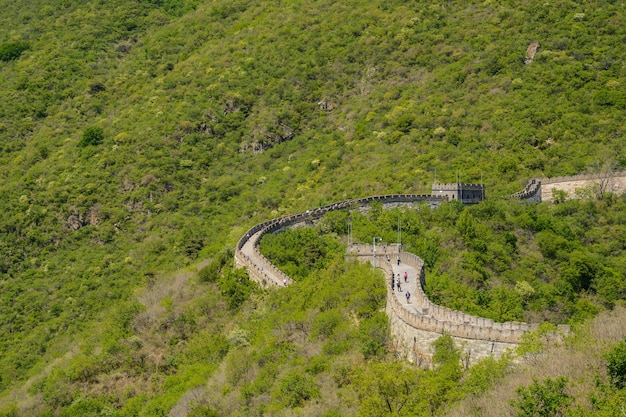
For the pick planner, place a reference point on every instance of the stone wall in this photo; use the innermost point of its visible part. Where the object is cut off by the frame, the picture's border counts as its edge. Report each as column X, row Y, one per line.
column 416, row 345
column 584, row 185
column 538, row 190
column 532, row 192
column 262, row 271
column 466, row 193
column 414, row 332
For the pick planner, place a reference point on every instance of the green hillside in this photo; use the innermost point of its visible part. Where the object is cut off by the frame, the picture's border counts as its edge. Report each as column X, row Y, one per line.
column 140, row 139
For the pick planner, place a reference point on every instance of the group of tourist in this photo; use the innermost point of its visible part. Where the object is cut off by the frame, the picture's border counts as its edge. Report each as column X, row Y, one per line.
column 397, row 284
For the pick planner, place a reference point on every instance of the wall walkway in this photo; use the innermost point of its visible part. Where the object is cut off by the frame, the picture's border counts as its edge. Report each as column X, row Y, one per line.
column 261, row 270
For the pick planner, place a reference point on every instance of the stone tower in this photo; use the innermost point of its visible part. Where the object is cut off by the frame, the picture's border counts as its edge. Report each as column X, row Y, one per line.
column 465, row 193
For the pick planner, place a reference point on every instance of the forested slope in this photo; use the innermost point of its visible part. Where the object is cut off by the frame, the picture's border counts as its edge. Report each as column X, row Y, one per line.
column 139, row 137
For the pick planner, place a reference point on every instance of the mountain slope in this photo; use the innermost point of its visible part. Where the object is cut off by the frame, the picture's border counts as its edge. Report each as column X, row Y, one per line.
column 216, row 115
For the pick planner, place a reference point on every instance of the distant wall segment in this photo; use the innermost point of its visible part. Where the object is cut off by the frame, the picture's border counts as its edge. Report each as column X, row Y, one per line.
column 416, row 329
column 541, row 189
column 614, row 182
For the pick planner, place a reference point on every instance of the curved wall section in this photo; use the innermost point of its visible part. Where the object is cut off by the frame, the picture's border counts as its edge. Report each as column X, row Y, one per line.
column 247, row 253
column 416, row 325
column 413, row 329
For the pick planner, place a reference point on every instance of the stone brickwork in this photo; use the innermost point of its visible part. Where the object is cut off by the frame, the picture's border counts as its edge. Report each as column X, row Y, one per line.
column 465, row 193
column 530, row 52
column 532, row 192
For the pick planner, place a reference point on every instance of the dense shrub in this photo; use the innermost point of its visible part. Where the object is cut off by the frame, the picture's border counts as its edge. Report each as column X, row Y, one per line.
column 12, row 50
column 616, row 365
column 92, row 136
column 295, row 389
column 547, row 399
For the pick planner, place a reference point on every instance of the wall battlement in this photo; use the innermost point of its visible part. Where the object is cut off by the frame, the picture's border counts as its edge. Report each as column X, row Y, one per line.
column 465, row 193
column 481, row 336
column 247, row 253
column 456, row 186
column 584, row 177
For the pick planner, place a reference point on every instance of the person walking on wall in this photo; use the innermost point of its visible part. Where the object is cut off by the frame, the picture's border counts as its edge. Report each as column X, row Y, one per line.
column 406, row 276
column 408, row 297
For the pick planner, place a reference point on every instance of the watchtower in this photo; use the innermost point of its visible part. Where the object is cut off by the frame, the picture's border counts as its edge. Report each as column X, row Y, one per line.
column 465, row 193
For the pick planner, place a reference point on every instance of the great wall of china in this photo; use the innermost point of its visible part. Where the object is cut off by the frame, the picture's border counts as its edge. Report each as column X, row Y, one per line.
column 414, row 326
column 539, row 190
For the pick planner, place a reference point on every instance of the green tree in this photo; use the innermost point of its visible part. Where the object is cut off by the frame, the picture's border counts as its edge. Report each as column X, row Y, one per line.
column 559, row 196
column 580, row 271
column 374, row 335
column 297, row 388
column 92, row 136
column 443, row 383
column 485, row 374
column 543, row 399
column 446, row 353
column 203, row 411
column 236, row 287
column 616, row 365
column 389, row 390
column 466, row 226
column 12, row 50
column 506, row 304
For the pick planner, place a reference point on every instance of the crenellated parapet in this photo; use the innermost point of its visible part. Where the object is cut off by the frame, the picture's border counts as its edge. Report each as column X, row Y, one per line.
column 532, row 192
column 465, row 193
column 416, row 325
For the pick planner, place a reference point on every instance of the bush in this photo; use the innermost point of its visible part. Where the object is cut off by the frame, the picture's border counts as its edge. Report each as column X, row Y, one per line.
column 85, row 407
column 296, row 388
column 485, row 374
column 616, row 365
column 203, row 411
column 12, row 50
column 542, row 399
column 236, row 287
column 374, row 335
column 92, row 136
column 325, row 324
column 213, row 270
